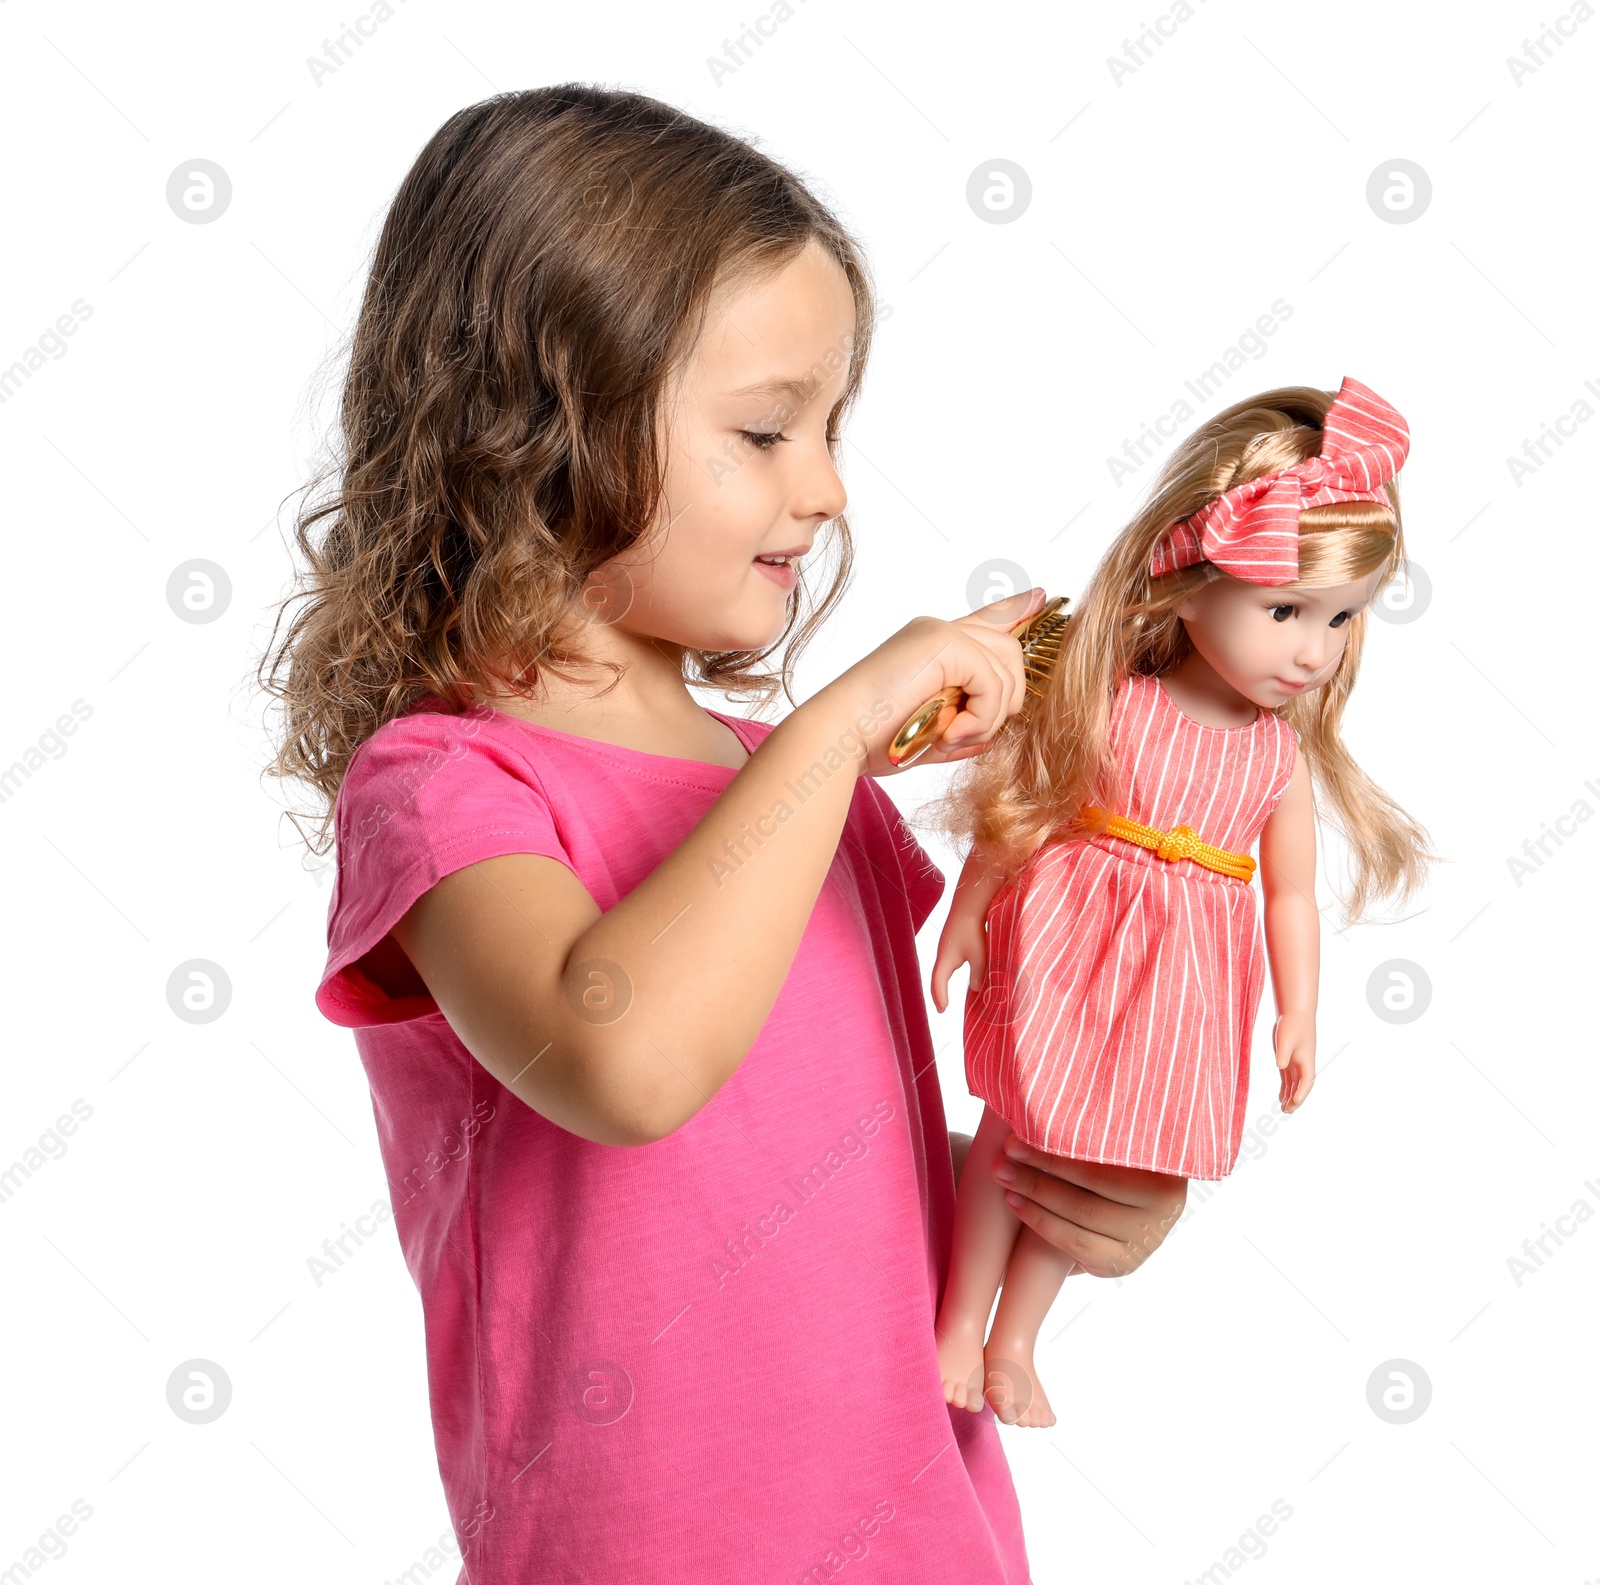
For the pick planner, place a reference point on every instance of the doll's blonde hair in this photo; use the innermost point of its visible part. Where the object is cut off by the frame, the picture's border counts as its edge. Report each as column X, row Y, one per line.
column 1054, row 758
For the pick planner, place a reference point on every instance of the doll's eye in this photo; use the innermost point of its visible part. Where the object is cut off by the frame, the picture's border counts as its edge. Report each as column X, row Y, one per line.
column 1340, row 619
column 1281, row 613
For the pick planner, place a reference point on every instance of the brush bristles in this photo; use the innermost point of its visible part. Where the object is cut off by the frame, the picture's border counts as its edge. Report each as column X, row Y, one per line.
column 1041, row 650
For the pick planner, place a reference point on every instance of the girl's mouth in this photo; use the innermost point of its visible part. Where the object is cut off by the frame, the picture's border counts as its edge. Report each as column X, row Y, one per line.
column 780, row 570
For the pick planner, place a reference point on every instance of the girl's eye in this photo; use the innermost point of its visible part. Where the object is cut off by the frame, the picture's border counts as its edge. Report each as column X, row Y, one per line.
column 1282, row 613
column 1340, row 619
column 762, row 440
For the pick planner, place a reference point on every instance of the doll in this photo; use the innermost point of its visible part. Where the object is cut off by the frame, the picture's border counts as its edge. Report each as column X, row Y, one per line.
column 1106, row 910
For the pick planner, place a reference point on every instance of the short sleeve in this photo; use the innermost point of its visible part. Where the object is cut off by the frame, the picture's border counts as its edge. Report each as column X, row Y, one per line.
column 425, row 796
column 920, row 878
column 1287, row 748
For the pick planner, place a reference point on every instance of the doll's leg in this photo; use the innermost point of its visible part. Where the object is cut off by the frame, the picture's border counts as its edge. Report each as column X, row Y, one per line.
column 1033, row 1278
column 984, row 1232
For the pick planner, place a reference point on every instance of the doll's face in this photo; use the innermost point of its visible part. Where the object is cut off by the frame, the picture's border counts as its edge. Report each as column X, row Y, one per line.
column 1270, row 643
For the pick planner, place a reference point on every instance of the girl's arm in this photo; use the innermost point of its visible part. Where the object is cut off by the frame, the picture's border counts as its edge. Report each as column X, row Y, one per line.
column 1293, row 931
column 620, row 1025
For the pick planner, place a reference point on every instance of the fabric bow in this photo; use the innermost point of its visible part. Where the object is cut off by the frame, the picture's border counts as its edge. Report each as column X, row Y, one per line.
column 1253, row 530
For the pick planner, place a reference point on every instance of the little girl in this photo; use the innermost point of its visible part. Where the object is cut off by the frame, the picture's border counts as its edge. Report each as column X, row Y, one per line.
column 1196, row 699
column 635, row 982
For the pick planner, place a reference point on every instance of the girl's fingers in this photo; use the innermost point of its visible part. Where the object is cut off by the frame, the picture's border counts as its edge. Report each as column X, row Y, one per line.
column 1124, row 1207
column 991, row 627
column 996, row 683
column 1067, row 1202
column 1131, row 1187
column 1094, row 1252
column 1003, row 615
column 1005, row 654
column 988, row 694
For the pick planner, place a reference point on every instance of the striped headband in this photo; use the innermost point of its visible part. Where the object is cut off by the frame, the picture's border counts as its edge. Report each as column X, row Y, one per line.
column 1253, row 530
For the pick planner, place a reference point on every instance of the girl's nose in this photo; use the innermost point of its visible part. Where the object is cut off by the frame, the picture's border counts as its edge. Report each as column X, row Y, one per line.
column 820, row 491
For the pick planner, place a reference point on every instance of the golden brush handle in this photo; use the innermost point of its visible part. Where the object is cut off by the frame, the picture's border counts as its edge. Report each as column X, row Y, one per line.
column 924, row 729
column 927, row 724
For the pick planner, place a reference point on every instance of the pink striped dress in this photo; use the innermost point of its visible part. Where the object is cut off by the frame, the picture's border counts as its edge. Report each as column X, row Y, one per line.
column 1115, row 1021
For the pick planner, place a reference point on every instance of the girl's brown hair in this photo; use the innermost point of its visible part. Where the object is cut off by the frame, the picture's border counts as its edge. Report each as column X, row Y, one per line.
column 1053, row 759
column 544, row 269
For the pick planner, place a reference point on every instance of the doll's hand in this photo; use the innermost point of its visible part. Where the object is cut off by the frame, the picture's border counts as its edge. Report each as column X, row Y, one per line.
column 962, row 941
column 964, row 938
column 1294, row 1037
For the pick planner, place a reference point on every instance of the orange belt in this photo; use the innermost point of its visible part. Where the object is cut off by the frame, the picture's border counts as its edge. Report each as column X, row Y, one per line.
column 1178, row 843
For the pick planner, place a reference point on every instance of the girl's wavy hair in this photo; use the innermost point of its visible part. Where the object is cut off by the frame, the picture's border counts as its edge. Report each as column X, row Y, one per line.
column 543, row 272
column 1053, row 759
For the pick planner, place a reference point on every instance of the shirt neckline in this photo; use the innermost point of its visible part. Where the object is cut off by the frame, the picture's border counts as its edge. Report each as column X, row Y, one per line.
column 1200, row 726
column 736, row 724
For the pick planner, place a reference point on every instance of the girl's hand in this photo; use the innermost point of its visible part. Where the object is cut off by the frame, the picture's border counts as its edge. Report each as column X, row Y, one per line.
column 1109, row 1219
column 1294, row 1037
column 975, row 652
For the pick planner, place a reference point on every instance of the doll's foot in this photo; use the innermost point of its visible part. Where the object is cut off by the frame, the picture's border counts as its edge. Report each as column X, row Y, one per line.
column 961, row 1362
column 1014, row 1390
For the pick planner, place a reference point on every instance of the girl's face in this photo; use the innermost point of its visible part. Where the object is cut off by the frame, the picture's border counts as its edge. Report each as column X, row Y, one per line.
column 748, row 473
column 1271, row 643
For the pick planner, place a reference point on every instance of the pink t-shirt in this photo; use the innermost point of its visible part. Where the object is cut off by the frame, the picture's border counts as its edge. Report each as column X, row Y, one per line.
column 710, row 1358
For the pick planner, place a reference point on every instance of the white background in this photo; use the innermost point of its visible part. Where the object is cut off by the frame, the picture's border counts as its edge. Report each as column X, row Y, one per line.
column 1168, row 211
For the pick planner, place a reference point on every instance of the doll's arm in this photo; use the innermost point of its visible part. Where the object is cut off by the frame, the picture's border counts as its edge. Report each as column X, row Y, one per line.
column 1293, row 931
column 960, row 1144
column 962, row 939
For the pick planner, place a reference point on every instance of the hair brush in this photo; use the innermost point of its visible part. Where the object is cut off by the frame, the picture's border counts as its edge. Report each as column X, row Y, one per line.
column 1040, row 636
